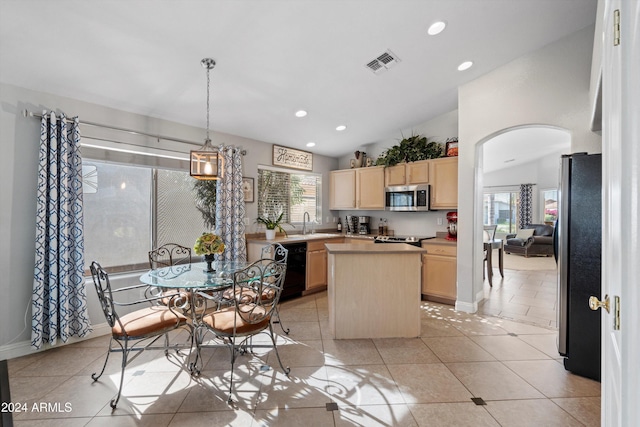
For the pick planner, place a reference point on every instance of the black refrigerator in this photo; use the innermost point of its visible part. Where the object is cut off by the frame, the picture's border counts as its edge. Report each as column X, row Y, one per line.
column 578, row 241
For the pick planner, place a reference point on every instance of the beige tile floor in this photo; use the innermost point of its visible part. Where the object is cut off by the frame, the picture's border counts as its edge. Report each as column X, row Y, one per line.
column 426, row 381
column 526, row 296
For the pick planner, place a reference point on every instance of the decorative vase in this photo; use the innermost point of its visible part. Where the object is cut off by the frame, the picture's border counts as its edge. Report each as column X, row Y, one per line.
column 359, row 158
column 270, row 234
column 209, row 259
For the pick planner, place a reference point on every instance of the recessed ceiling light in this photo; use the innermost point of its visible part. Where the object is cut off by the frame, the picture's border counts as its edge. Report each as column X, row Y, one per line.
column 436, row 28
column 341, row 128
column 465, row 65
column 301, row 113
column 311, row 144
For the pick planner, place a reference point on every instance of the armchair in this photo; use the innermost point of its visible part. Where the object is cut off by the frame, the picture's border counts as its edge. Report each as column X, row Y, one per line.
column 539, row 243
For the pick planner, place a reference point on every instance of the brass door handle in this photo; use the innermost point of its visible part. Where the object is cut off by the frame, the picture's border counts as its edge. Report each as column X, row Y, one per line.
column 595, row 303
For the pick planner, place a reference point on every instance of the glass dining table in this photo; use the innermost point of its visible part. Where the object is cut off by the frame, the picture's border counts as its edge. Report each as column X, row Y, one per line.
column 194, row 276
column 194, row 282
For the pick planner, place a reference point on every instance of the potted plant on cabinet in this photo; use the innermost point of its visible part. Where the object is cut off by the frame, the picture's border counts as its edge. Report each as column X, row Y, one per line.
column 411, row 149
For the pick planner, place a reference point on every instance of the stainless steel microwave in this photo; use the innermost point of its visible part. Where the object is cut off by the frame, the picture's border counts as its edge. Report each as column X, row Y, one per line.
column 407, row 198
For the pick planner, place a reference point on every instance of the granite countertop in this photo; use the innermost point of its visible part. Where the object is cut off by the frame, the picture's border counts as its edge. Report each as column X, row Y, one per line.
column 440, row 241
column 292, row 238
column 364, row 248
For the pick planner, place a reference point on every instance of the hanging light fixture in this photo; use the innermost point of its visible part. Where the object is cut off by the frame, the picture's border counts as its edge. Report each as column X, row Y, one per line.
column 206, row 162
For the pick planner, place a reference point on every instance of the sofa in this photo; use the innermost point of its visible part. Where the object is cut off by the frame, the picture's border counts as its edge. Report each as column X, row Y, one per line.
column 527, row 243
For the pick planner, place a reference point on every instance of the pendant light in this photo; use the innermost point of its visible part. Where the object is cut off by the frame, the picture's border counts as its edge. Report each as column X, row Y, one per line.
column 206, row 162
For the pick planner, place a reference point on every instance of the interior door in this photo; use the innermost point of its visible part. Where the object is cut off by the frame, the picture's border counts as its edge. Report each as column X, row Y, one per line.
column 621, row 218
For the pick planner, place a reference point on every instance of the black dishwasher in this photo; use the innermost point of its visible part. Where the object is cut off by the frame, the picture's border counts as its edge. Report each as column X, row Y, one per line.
column 295, row 279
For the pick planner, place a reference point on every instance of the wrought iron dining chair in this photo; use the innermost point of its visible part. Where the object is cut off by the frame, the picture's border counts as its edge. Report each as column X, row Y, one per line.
column 249, row 315
column 278, row 253
column 138, row 330
column 167, row 255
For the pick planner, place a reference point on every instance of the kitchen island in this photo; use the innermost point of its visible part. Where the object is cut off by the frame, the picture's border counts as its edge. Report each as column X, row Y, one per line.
column 374, row 290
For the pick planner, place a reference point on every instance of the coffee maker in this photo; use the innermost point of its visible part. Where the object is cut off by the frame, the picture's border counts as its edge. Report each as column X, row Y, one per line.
column 363, row 225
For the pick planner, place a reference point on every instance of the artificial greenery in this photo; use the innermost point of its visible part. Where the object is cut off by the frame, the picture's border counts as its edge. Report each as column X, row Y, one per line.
column 205, row 197
column 411, row 149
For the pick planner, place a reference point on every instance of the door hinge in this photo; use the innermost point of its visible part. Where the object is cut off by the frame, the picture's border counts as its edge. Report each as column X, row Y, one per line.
column 616, row 27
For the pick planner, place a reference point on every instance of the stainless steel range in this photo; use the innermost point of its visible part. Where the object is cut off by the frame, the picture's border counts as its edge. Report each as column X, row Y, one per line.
column 410, row 240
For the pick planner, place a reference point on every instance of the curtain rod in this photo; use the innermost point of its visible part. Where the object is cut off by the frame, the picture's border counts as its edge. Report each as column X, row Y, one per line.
column 505, row 185
column 28, row 113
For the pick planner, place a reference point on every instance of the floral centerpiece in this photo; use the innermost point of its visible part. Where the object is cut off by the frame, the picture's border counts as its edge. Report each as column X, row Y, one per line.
column 208, row 244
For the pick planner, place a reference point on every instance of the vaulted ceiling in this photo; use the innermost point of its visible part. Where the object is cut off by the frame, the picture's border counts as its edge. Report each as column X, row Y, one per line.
column 275, row 57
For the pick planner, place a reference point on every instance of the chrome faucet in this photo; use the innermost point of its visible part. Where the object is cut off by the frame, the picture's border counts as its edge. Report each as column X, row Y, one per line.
column 305, row 217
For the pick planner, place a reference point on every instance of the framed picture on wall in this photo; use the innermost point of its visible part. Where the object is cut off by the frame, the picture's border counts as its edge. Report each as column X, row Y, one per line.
column 248, row 190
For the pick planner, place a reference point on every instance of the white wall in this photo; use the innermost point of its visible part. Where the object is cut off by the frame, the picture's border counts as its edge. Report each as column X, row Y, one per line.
column 19, row 137
column 548, row 87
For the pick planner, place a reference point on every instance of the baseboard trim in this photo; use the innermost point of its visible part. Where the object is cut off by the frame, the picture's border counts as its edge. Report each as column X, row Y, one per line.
column 466, row 307
column 23, row 348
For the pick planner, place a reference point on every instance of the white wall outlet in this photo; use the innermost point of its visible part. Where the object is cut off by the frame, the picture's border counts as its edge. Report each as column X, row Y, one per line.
column 440, row 221
column 328, row 219
column 246, row 220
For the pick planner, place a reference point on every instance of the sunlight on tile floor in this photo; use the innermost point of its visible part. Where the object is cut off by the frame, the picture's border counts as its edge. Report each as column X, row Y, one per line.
column 513, row 366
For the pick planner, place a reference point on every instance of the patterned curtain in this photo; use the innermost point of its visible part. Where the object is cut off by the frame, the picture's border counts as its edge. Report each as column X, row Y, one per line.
column 230, row 209
column 526, row 204
column 59, row 301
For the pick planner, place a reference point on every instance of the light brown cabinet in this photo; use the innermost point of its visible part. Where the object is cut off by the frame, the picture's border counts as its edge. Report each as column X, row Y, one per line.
column 361, row 188
column 370, row 188
column 317, row 264
column 342, row 189
column 443, row 177
column 407, row 173
column 439, row 273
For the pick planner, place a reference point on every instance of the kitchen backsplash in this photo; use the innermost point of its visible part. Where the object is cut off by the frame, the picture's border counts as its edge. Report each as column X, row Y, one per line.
column 404, row 223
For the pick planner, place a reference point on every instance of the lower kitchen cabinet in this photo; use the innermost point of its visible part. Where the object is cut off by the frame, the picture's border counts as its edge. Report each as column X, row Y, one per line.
column 317, row 264
column 439, row 273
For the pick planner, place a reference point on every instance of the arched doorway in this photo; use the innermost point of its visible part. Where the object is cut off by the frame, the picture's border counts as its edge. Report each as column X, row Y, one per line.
column 520, row 155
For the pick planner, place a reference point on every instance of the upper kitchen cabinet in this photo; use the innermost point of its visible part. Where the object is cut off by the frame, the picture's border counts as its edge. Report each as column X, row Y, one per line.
column 443, row 177
column 407, row 173
column 370, row 188
column 361, row 188
column 342, row 189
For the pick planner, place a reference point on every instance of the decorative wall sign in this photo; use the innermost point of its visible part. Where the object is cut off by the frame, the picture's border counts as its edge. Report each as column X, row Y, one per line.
column 248, row 190
column 292, row 158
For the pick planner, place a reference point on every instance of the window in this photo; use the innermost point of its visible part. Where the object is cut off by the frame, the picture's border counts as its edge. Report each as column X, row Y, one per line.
column 291, row 193
column 501, row 208
column 550, row 205
column 131, row 209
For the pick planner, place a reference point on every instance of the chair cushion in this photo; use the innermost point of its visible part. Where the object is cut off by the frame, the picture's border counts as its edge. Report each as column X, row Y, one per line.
column 148, row 321
column 524, row 233
column 222, row 320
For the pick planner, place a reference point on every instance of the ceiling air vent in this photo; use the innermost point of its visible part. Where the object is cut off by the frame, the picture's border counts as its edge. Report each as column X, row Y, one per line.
column 383, row 62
